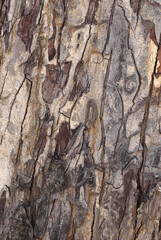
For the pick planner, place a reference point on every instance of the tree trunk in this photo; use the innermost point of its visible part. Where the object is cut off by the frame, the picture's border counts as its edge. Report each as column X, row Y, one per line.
column 80, row 119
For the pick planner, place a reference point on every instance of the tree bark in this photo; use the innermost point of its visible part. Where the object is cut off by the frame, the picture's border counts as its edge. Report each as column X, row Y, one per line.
column 80, row 134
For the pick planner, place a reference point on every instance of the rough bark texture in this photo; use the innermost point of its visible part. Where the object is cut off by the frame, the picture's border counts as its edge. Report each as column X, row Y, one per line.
column 80, row 119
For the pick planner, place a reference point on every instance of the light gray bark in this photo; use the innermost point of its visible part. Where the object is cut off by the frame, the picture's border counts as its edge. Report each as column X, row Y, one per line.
column 80, row 135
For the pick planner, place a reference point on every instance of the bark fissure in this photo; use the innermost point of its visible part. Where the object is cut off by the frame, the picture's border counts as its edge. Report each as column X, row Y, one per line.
column 109, row 26
column 15, row 96
column 27, row 104
column 22, row 123
column 93, row 223
column 61, row 30
column 80, row 120
column 90, row 28
column 140, row 176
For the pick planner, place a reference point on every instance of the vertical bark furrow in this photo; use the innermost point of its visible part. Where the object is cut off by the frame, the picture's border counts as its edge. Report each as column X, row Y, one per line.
column 80, row 120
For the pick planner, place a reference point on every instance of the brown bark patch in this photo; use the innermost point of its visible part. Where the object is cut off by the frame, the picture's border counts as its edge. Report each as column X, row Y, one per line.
column 27, row 25
column 62, row 139
column 148, row 26
column 65, row 74
column 134, row 4
column 55, row 81
column 91, row 113
column 41, row 141
column 24, row 176
column 51, row 47
column 159, row 59
column 153, row 36
column 2, row 204
column 93, row 5
column 50, row 85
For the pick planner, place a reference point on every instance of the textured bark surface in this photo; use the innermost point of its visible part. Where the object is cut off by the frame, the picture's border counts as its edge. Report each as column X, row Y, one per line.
column 80, row 119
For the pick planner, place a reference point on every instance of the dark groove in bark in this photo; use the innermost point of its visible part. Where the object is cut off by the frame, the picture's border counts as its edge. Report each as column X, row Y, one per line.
column 21, row 132
column 138, row 11
column 93, row 223
column 60, row 33
column 140, row 186
column 78, row 178
column 95, row 9
column 109, row 25
column 15, row 100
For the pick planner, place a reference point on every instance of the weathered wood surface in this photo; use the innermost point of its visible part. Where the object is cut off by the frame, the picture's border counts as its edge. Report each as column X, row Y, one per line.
column 80, row 119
